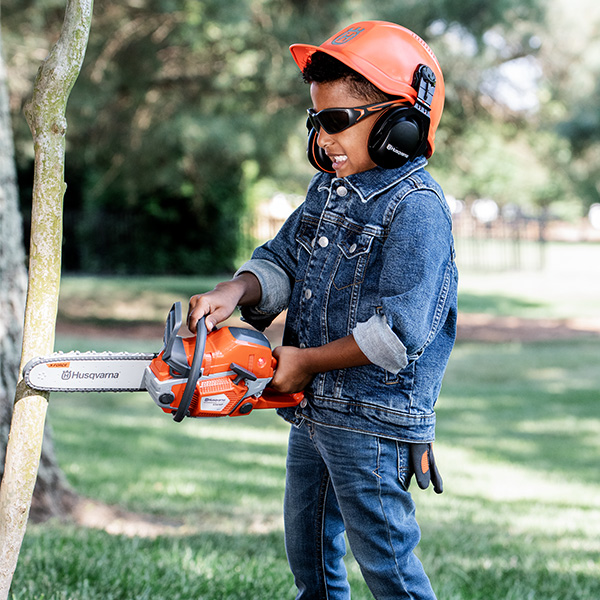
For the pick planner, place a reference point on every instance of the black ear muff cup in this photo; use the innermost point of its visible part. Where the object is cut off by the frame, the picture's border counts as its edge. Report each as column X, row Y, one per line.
column 316, row 155
column 398, row 135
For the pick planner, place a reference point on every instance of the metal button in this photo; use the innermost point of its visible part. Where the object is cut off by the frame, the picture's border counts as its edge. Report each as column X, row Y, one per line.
column 308, row 294
column 303, row 403
column 323, row 242
column 342, row 191
column 352, row 248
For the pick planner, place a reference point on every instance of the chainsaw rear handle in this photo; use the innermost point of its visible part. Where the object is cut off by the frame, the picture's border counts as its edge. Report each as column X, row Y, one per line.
column 271, row 398
column 194, row 372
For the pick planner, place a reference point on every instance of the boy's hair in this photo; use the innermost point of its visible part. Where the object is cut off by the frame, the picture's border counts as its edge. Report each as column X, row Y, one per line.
column 323, row 68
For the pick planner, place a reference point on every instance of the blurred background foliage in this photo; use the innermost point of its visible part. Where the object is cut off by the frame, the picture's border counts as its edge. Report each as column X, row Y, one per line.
column 188, row 113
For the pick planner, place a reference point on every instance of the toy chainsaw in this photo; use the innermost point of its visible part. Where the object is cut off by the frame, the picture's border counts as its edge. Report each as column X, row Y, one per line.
column 222, row 373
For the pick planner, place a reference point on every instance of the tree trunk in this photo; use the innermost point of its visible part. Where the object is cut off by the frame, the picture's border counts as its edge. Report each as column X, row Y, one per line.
column 46, row 117
column 52, row 496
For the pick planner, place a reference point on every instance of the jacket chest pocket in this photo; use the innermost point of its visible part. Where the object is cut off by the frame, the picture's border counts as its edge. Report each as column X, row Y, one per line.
column 353, row 256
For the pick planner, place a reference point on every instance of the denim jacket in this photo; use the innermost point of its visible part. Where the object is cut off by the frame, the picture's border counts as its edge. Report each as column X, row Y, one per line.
column 371, row 255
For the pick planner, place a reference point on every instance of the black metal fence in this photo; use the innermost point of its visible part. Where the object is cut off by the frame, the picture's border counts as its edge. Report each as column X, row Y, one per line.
column 499, row 241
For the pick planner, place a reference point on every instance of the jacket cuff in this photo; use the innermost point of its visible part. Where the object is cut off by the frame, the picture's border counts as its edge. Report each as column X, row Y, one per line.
column 275, row 292
column 380, row 344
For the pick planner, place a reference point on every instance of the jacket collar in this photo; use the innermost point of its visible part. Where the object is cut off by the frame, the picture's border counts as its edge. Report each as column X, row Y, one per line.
column 374, row 182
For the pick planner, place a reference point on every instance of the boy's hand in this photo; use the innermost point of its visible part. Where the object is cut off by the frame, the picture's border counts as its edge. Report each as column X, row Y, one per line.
column 216, row 306
column 291, row 374
column 219, row 304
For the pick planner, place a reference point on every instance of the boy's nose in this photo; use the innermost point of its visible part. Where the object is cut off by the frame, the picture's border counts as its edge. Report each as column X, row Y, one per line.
column 323, row 139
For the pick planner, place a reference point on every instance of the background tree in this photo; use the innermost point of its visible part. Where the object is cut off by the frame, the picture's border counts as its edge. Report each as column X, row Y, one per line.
column 572, row 89
column 13, row 276
column 180, row 106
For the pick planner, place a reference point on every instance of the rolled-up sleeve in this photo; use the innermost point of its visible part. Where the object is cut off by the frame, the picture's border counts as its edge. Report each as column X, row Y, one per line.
column 380, row 344
column 274, row 284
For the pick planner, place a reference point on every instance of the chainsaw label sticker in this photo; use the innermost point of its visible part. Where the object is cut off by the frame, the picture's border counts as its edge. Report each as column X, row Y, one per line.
column 58, row 365
column 68, row 375
column 214, row 403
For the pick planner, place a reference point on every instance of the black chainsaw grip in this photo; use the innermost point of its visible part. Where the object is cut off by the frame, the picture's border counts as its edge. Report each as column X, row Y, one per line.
column 195, row 372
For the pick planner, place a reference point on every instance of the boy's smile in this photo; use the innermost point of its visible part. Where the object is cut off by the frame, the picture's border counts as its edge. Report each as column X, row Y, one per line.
column 347, row 150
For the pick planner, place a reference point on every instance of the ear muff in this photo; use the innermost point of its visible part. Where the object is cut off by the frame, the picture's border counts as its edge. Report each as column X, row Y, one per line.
column 316, row 155
column 400, row 134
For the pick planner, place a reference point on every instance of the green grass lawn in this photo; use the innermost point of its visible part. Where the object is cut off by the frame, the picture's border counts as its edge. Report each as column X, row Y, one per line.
column 518, row 442
column 518, row 446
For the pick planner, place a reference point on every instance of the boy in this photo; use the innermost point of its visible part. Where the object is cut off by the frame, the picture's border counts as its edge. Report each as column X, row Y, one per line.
column 365, row 267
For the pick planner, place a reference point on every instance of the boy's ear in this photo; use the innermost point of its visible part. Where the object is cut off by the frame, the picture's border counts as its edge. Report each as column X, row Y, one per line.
column 316, row 155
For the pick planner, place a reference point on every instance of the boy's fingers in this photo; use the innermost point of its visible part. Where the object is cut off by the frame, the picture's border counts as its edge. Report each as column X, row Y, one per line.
column 195, row 313
column 211, row 318
column 210, row 323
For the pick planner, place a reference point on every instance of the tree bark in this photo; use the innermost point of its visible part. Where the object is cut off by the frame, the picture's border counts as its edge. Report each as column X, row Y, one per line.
column 46, row 117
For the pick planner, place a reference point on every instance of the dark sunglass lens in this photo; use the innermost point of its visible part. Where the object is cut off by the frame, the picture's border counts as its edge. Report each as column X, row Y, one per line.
column 334, row 120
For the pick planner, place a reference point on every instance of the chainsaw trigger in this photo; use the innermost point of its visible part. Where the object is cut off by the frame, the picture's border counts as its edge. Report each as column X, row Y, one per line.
column 242, row 374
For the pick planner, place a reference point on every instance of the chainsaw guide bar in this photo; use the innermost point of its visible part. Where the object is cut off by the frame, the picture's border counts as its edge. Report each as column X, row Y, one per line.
column 88, row 372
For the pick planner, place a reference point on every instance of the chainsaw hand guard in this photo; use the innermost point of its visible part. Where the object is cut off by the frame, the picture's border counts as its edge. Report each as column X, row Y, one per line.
column 174, row 353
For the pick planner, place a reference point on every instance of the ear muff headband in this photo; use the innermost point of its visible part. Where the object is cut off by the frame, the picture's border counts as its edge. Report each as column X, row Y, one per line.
column 398, row 136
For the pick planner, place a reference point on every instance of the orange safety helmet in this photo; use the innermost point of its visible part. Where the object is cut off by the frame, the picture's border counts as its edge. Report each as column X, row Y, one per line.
column 387, row 55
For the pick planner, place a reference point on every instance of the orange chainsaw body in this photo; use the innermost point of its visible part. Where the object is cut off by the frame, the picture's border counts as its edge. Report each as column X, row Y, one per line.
column 237, row 365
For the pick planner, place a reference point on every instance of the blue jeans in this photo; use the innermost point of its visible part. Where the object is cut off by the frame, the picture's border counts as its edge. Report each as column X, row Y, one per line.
column 338, row 481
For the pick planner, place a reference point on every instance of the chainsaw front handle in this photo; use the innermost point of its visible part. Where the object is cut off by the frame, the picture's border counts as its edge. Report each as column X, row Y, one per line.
column 194, row 373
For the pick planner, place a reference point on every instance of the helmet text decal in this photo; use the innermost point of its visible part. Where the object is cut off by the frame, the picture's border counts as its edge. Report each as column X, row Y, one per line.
column 347, row 35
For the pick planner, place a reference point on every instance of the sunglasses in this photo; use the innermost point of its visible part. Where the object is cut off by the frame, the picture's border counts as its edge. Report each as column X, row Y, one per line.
column 335, row 120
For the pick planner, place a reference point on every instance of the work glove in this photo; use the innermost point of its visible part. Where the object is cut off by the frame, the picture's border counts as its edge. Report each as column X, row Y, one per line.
column 422, row 464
